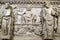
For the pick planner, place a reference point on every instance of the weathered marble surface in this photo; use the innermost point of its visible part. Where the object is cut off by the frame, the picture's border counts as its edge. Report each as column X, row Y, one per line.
column 33, row 32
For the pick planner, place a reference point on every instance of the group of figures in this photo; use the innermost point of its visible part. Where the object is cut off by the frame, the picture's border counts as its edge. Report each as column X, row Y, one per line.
column 45, row 24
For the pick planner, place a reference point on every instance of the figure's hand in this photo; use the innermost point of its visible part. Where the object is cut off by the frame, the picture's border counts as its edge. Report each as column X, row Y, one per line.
column 55, row 30
column 42, row 33
column 44, row 18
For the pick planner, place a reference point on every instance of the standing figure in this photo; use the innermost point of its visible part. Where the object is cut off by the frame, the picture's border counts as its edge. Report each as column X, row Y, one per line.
column 9, row 13
column 6, row 13
column 48, row 22
column 1, row 14
column 28, row 15
column 57, row 14
column 55, row 18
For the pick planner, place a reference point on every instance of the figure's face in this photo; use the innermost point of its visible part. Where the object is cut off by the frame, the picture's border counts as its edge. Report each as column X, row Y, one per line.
column 47, row 5
column 51, row 6
column 28, row 7
column 6, row 5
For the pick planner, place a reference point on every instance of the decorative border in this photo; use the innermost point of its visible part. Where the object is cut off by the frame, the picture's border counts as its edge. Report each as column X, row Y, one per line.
column 51, row 2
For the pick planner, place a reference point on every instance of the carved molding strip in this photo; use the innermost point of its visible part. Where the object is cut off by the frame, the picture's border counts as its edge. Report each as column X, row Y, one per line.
column 29, row 2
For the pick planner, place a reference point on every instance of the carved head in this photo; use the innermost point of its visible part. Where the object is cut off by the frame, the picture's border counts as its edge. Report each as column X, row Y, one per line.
column 28, row 7
column 7, row 5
